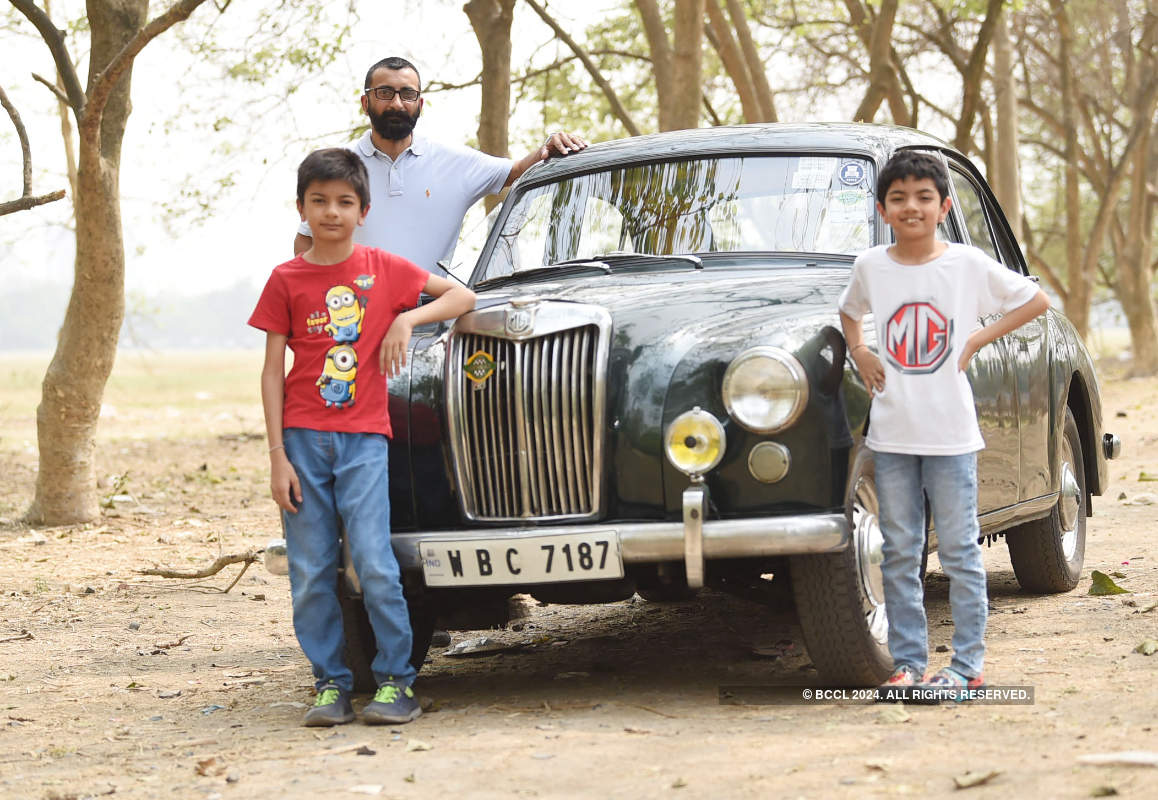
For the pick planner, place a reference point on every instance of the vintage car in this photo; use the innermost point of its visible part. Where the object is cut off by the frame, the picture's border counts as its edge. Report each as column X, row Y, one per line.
column 653, row 395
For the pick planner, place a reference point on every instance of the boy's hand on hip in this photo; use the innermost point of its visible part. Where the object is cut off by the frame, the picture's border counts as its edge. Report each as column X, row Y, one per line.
column 283, row 482
column 871, row 370
column 972, row 345
column 392, row 357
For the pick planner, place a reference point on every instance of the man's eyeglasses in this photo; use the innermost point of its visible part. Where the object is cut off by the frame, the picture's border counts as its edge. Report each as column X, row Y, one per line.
column 387, row 93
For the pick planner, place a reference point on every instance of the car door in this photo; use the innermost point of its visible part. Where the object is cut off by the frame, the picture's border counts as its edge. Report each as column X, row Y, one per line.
column 995, row 385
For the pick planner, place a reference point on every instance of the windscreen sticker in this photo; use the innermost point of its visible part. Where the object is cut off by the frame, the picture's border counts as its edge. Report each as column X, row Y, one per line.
column 851, row 173
column 813, row 173
column 848, row 207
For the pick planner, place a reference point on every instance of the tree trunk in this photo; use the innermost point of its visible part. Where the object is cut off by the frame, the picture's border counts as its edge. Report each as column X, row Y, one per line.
column 755, row 64
column 662, row 62
column 1007, row 172
column 491, row 20
column 733, row 60
column 74, row 383
column 881, row 72
column 683, row 110
column 972, row 76
column 1080, row 285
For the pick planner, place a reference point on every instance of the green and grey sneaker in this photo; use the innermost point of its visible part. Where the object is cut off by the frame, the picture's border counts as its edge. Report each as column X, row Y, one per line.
column 393, row 703
column 331, row 708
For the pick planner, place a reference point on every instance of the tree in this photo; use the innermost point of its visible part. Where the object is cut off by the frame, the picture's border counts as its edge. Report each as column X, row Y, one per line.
column 74, row 382
column 491, row 20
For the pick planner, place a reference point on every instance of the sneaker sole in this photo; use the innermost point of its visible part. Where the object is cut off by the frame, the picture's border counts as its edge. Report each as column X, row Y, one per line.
column 328, row 722
column 373, row 718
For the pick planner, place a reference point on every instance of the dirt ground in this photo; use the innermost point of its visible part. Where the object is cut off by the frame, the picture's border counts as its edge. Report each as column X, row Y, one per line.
column 114, row 684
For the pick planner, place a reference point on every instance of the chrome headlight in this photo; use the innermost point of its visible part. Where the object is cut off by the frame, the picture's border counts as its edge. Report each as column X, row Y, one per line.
column 765, row 389
column 694, row 442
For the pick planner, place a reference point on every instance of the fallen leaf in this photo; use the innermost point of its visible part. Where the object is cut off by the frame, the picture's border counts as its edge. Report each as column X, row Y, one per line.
column 630, row 729
column 366, row 788
column 209, row 767
column 1117, row 574
column 971, row 779
column 416, row 745
column 1103, row 791
column 1147, row 647
column 1149, row 608
column 1147, row 476
column 678, row 783
column 879, row 764
column 1102, row 584
column 893, row 714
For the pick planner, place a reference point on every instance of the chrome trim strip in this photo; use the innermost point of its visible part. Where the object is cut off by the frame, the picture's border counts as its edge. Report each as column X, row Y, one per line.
column 695, row 507
column 1025, row 511
column 650, row 542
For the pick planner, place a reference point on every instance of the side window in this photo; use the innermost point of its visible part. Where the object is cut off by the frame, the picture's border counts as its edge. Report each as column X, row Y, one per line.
column 972, row 210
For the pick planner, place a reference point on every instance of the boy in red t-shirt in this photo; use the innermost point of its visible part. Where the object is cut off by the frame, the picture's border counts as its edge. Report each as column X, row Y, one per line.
column 341, row 309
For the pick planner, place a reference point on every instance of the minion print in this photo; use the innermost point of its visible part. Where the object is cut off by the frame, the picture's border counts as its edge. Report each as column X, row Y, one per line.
column 337, row 379
column 345, row 311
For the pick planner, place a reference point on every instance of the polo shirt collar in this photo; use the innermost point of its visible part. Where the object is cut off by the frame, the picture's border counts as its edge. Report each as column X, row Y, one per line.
column 417, row 145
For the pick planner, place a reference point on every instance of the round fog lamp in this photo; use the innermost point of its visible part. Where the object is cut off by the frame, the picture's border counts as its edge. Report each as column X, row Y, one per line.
column 769, row 461
column 765, row 389
column 695, row 442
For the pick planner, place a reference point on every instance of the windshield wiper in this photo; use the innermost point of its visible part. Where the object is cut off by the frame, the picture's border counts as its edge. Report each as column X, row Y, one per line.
column 561, row 268
column 694, row 260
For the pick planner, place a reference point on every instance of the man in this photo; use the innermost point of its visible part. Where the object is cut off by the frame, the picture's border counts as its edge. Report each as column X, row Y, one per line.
column 420, row 190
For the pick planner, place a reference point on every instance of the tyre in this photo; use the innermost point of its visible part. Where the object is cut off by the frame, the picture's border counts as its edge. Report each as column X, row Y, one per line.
column 361, row 645
column 840, row 596
column 1048, row 553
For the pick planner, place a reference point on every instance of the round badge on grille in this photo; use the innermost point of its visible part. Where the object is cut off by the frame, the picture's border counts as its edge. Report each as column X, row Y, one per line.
column 519, row 320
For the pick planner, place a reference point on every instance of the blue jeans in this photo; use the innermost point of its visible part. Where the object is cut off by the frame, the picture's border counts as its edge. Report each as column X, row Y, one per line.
column 951, row 485
column 344, row 480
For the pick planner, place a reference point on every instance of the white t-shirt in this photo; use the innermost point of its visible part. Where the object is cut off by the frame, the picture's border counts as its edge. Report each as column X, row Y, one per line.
column 923, row 314
column 417, row 202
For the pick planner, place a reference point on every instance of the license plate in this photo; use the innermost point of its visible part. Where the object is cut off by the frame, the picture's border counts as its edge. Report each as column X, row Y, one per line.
column 516, row 560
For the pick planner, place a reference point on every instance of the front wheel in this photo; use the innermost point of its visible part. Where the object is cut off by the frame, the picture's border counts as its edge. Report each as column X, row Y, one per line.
column 840, row 598
column 1048, row 553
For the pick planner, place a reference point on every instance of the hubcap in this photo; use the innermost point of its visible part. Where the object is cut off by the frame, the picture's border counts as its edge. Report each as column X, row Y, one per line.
column 1070, row 503
column 868, row 545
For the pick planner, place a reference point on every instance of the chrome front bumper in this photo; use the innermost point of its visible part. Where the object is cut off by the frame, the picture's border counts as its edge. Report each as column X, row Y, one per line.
column 693, row 541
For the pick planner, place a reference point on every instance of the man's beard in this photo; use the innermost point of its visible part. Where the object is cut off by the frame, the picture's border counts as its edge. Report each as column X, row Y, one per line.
column 393, row 125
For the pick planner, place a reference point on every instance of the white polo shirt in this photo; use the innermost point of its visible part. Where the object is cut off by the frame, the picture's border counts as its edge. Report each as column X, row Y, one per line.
column 417, row 202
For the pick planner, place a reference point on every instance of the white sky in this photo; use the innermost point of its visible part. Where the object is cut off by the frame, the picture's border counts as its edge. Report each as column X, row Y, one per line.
column 252, row 227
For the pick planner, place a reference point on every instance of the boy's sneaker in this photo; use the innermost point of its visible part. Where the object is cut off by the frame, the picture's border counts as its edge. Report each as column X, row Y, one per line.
column 896, row 688
column 393, row 704
column 331, row 708
column 949, row 684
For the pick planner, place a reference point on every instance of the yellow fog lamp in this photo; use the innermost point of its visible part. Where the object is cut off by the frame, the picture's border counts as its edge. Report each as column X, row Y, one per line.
column 765, row 389
column 695, row 442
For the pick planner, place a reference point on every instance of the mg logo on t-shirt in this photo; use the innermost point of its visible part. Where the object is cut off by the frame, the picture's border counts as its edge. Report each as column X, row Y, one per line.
column 918, row 338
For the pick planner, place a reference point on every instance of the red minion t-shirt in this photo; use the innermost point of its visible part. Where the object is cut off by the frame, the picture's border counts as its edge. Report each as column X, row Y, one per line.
column 336, row 316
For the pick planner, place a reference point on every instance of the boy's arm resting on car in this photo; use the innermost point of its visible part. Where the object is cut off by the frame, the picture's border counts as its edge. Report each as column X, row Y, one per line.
column 451, row 301
column 871, row 370
column 283, row 479
column 1031, row 309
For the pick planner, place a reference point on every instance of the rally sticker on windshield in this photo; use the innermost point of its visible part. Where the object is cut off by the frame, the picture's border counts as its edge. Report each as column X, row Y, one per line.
column 813, row 173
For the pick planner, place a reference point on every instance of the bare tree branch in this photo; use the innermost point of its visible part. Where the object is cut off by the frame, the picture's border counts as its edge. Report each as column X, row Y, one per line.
column 608, row 92
column 52, row 87
column 103, row 82
column 26, row 200
column 54, row 38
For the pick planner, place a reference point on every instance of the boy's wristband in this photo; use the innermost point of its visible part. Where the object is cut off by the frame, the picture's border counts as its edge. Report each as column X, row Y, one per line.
column 277, row 447
column 858, row 347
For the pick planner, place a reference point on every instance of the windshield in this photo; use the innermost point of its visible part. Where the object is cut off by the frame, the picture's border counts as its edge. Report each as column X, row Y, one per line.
column 781, row 203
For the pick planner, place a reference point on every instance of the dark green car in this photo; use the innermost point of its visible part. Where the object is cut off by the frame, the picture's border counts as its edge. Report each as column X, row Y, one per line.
column 653, row 395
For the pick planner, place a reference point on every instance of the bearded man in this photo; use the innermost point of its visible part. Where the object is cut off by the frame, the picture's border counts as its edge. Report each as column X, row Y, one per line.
column 421, row 189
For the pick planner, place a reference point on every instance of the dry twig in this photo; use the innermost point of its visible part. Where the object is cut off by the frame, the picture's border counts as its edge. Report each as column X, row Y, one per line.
column 246, row 558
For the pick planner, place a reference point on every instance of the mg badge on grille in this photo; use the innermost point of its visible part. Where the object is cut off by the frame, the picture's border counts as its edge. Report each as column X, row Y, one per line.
column 479, row 367
column 519, row 320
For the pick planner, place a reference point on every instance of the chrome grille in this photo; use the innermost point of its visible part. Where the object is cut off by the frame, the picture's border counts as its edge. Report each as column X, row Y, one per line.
column 525, row 439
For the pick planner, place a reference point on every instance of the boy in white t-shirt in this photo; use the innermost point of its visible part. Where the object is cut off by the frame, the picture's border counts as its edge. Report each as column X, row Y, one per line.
column 926, row 297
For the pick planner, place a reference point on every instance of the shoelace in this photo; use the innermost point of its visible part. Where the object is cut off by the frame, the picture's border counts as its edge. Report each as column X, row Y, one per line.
column 386, row 694
column 326, row 697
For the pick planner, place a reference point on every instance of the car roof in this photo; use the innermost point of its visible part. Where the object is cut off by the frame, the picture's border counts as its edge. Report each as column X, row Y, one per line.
column 876, row 141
